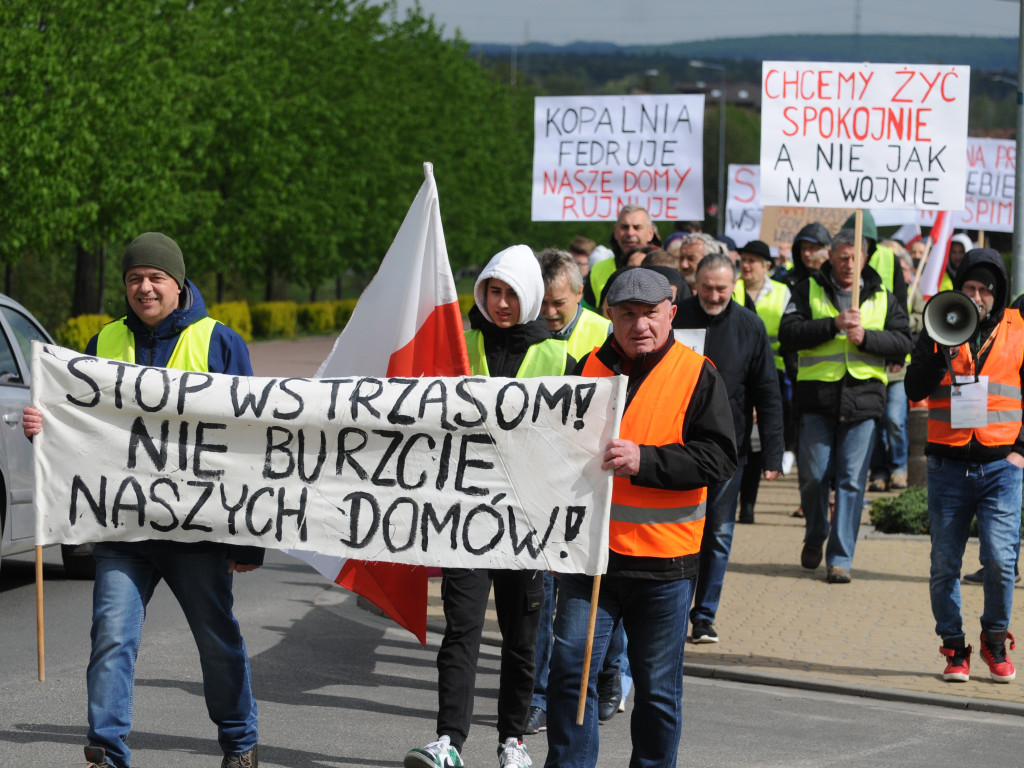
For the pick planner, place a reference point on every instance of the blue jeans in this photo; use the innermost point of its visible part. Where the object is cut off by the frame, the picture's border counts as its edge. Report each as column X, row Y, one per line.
column 957, row 491
column 197, row 574
column 840, row 452
column 719, row 524
column 654, row 616
column 545, row 637
column 892, row 443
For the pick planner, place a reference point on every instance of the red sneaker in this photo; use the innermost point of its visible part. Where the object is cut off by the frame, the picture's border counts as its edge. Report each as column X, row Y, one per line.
column 993, row 651
column 958, row 668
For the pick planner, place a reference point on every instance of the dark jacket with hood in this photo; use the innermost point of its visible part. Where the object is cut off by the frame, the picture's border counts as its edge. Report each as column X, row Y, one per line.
column 228, row 354
column 810, row 233
column 928, row 364
column 706, row 452
column 737, row 344
column 849, row 399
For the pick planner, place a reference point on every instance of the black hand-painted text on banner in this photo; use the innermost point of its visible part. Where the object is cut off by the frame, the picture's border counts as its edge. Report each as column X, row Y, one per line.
column 468, row 472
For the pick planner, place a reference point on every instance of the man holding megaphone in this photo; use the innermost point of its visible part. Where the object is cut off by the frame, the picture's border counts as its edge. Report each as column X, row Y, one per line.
column 969, row 363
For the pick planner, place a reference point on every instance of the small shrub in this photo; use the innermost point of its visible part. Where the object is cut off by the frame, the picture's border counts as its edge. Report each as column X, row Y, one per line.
column 317, row 318
column 906, row 513
column 343, row 312
column 235, row 315
column 75, row 332
column 274, row 319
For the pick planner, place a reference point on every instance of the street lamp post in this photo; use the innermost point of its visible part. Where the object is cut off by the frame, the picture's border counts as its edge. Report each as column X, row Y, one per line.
column 697, row 64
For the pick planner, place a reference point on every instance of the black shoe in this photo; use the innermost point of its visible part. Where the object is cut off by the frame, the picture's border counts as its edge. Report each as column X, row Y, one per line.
column 746, row 514
column 810, row 556
column 703, row 632
column 978, row 577
column 609, row 694
column 96, row 757
column 537, row 722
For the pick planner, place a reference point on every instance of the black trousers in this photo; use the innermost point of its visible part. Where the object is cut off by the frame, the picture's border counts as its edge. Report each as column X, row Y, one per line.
column 518, row 596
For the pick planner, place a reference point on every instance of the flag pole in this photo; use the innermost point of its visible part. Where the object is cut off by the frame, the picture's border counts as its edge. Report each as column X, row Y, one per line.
column 858, row 236
column 582, row 706
column 920, row 267
column 981, row 238
column 40, row 626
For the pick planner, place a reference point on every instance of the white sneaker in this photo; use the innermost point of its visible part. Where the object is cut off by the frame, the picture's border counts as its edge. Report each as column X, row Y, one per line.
column 513, row 754
column 788, row 460
column 437, row 754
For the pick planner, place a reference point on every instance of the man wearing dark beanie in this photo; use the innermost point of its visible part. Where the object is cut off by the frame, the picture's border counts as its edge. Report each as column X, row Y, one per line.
column 166, row 326
column 975, row 454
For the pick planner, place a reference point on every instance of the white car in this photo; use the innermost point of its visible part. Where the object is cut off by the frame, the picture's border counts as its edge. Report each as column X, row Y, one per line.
column 18, row 328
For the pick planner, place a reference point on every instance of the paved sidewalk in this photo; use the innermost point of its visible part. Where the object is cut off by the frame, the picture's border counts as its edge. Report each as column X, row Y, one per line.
column 780, row 624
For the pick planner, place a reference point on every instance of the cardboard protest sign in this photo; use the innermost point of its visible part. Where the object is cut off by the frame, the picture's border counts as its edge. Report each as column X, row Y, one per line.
column 863, row 135
column 594, row 154
column 779, row 225
column 456, row 472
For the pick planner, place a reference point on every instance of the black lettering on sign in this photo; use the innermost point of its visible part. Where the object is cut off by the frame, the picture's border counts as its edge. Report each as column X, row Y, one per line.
column 299, row 513
column 249, row 512
column 441, row 399
column 88, row 380
column 207, row 491
column 165, row 389
column 288, row 415
column 396, row 439
column 204, row 447
column 389, row 528
column 123, row 503
column 503, row 421
column 450, row 520
column 357, row 499
column 583, row 395
column 466, row 463
column 278, row 446
column 119, row 379
column 527, row 541
column 98, row 507
column 403, row 458
column 156, row 498
column 139, row 435
column 573, row 520
column 358, row 397
column 249, row 401
column 462, row 390
column 345, row 451
column 184, row 389
column 332, row 409
column 493, row 514
column 321, row 457
column 561, row 396
column 232, row 509
column 394, row 415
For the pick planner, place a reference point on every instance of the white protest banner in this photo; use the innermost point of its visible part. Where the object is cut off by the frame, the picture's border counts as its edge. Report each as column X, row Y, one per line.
column 990, row 188
column 594, row 154
column 456, row 472
column 844, row 135
column 743, row 203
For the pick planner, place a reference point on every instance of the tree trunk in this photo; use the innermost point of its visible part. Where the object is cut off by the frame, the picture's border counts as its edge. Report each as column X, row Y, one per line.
column 220, row 287
column 101, row 291
column 83, row 300
column 337, row 288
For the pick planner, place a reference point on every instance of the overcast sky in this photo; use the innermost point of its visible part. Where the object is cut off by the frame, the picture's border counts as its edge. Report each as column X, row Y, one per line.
column 631, row 22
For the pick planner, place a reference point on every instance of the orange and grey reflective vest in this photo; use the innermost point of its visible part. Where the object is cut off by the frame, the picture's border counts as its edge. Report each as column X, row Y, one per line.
column 191, row 352
column 1002, row 366
column 654, row 522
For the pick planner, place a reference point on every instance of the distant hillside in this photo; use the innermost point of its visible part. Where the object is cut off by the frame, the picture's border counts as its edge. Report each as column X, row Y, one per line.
column 984, row 53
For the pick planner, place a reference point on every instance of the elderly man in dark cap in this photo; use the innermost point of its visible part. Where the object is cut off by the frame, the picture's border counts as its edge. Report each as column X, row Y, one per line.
column 166, row 326
column 676, row 438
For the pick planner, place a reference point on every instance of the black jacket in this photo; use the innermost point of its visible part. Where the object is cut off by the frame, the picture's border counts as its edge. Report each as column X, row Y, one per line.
column 928, row 365
column 737, row 343
column 506, row 347
column 848, row 400
column 706, row 452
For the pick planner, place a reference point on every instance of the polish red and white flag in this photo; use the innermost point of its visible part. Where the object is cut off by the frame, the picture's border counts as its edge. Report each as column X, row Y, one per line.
column 907, row 234
column 406, row 323
column 938, row 256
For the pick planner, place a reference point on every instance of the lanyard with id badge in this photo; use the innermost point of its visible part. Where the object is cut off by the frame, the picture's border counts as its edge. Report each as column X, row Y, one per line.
column 968, row 401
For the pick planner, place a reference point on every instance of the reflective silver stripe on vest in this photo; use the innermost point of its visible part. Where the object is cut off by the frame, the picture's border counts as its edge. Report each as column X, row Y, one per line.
column 650, row 516
column 1001, row 390
column 873, row 360
column 994, row 417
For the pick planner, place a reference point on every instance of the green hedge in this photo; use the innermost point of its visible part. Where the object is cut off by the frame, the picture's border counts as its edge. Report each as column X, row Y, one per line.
column 317, row 318
column 274, row 319
column 75, row 332
column 236, row 316
column 906, row 513
column 343, row 312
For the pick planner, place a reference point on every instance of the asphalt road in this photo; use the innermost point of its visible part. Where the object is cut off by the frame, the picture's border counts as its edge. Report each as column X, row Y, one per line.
column 338, row 686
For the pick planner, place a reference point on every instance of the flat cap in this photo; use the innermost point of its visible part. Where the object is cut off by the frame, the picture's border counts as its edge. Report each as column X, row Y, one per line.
column 641, row 285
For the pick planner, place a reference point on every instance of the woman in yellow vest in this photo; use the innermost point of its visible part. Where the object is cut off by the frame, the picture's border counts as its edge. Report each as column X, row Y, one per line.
column 507, row 338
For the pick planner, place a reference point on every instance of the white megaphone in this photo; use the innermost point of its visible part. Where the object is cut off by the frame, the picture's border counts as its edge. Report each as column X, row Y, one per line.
column 951, row 318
